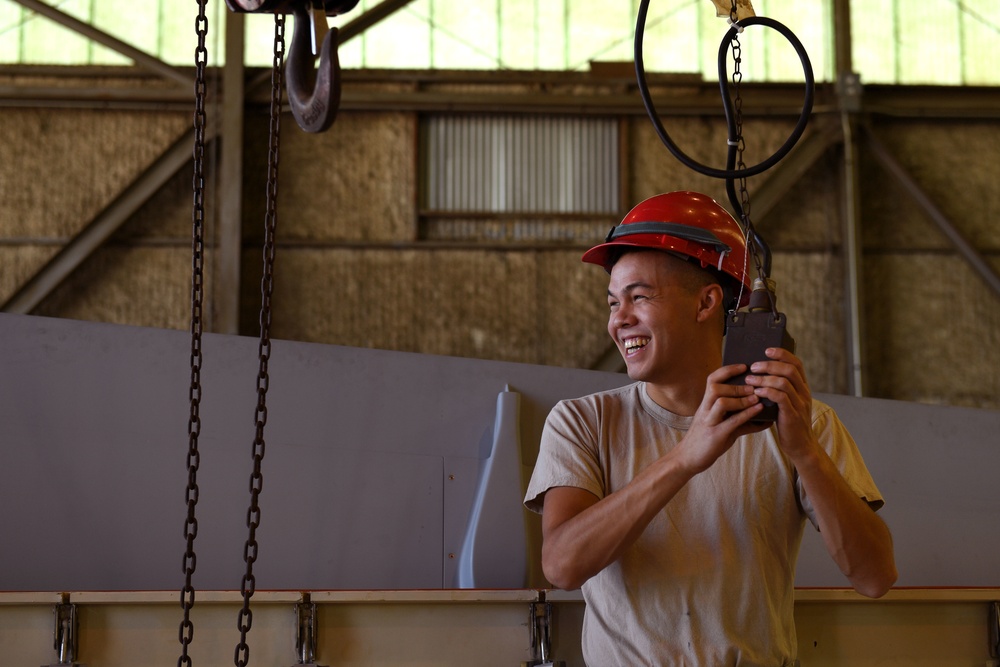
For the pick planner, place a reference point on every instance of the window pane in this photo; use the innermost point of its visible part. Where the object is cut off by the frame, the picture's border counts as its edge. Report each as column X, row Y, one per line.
column 463, row 32
column 11, row 32
column 980, row 31
column 873, row 34
column 48, row 43
column 930, row 42
column 520, row 36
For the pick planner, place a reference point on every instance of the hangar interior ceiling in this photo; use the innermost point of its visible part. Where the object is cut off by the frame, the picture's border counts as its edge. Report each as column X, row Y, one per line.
column 882, row 219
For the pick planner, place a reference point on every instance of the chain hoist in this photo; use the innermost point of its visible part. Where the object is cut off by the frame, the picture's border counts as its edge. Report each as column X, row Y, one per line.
column 748, row 333
column 732, row 171
column 741, row 203
column 186, row 631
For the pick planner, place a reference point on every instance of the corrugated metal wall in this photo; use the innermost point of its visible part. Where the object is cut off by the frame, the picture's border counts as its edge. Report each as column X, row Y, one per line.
column 514, row 164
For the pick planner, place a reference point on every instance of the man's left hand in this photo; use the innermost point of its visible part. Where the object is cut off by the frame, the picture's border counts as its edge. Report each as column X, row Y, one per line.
column 782, row 379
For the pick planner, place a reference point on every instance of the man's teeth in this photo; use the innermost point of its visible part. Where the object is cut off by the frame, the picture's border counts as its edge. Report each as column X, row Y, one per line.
column 633, row 344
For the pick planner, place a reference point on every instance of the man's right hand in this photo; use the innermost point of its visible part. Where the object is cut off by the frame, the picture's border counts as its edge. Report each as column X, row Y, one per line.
column 723, row 416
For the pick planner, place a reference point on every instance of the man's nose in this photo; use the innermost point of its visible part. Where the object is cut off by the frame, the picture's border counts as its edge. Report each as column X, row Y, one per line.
column 623, row 316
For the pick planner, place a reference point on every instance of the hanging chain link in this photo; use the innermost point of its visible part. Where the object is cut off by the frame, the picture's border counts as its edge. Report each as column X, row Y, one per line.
column 242, row 653
column 738, row 118
column 737, row 79
column 186, row 631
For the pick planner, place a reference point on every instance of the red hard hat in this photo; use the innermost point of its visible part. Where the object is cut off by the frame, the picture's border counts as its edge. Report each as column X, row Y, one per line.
column 689, row 224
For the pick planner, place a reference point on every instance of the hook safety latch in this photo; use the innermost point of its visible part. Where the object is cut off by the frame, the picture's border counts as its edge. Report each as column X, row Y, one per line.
column 313, row 88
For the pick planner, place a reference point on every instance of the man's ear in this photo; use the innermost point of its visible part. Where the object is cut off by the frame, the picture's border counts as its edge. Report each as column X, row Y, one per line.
column 710, row 301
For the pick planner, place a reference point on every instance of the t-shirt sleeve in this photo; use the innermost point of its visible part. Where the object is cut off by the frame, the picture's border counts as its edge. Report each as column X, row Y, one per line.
column 568, row 454
column 837, row 441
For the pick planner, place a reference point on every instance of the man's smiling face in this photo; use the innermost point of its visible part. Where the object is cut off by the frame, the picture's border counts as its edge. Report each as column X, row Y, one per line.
column 654, row 301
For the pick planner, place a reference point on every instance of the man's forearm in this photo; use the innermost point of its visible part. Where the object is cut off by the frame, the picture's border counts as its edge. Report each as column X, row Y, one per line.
column 856, row 538
column 583, row 535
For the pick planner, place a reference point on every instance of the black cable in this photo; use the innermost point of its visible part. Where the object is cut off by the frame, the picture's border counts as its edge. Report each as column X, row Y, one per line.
column 730, row 173
column 726, row 100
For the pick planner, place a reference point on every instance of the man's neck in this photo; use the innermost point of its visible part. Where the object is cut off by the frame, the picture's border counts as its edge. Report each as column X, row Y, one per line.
column 681, row 400
column 684, row 394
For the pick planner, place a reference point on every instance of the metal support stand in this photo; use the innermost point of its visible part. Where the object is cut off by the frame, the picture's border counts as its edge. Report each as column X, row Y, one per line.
column 540, row 628
column 305, row 632
column 994, row 630
column 65, row 635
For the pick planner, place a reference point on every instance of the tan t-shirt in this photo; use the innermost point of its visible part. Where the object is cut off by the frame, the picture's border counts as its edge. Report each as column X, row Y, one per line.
column 709, row 583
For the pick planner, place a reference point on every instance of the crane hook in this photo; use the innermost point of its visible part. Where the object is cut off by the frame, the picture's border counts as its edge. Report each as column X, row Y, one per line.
column 313, row 93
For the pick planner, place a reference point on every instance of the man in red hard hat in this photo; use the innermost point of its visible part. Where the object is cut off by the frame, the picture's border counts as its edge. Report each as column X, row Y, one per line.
column 680, row 518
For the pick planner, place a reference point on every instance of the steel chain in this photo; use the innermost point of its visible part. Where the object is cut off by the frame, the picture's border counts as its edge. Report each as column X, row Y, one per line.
column 248, row 584
column 186, row 631
column 737, row 79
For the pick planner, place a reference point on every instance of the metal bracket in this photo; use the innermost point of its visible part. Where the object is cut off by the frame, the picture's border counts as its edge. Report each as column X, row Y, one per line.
column 305, row 632
column 993, row 626
column 65, row 636
column 540, row 634
column 329, row 7
column 849, row 90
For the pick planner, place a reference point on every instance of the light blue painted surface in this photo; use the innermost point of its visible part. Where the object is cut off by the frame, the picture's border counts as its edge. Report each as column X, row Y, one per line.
column 376, row 463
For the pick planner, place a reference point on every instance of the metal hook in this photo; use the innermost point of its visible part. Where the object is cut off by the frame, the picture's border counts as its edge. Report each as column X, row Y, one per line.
column 313, row 94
